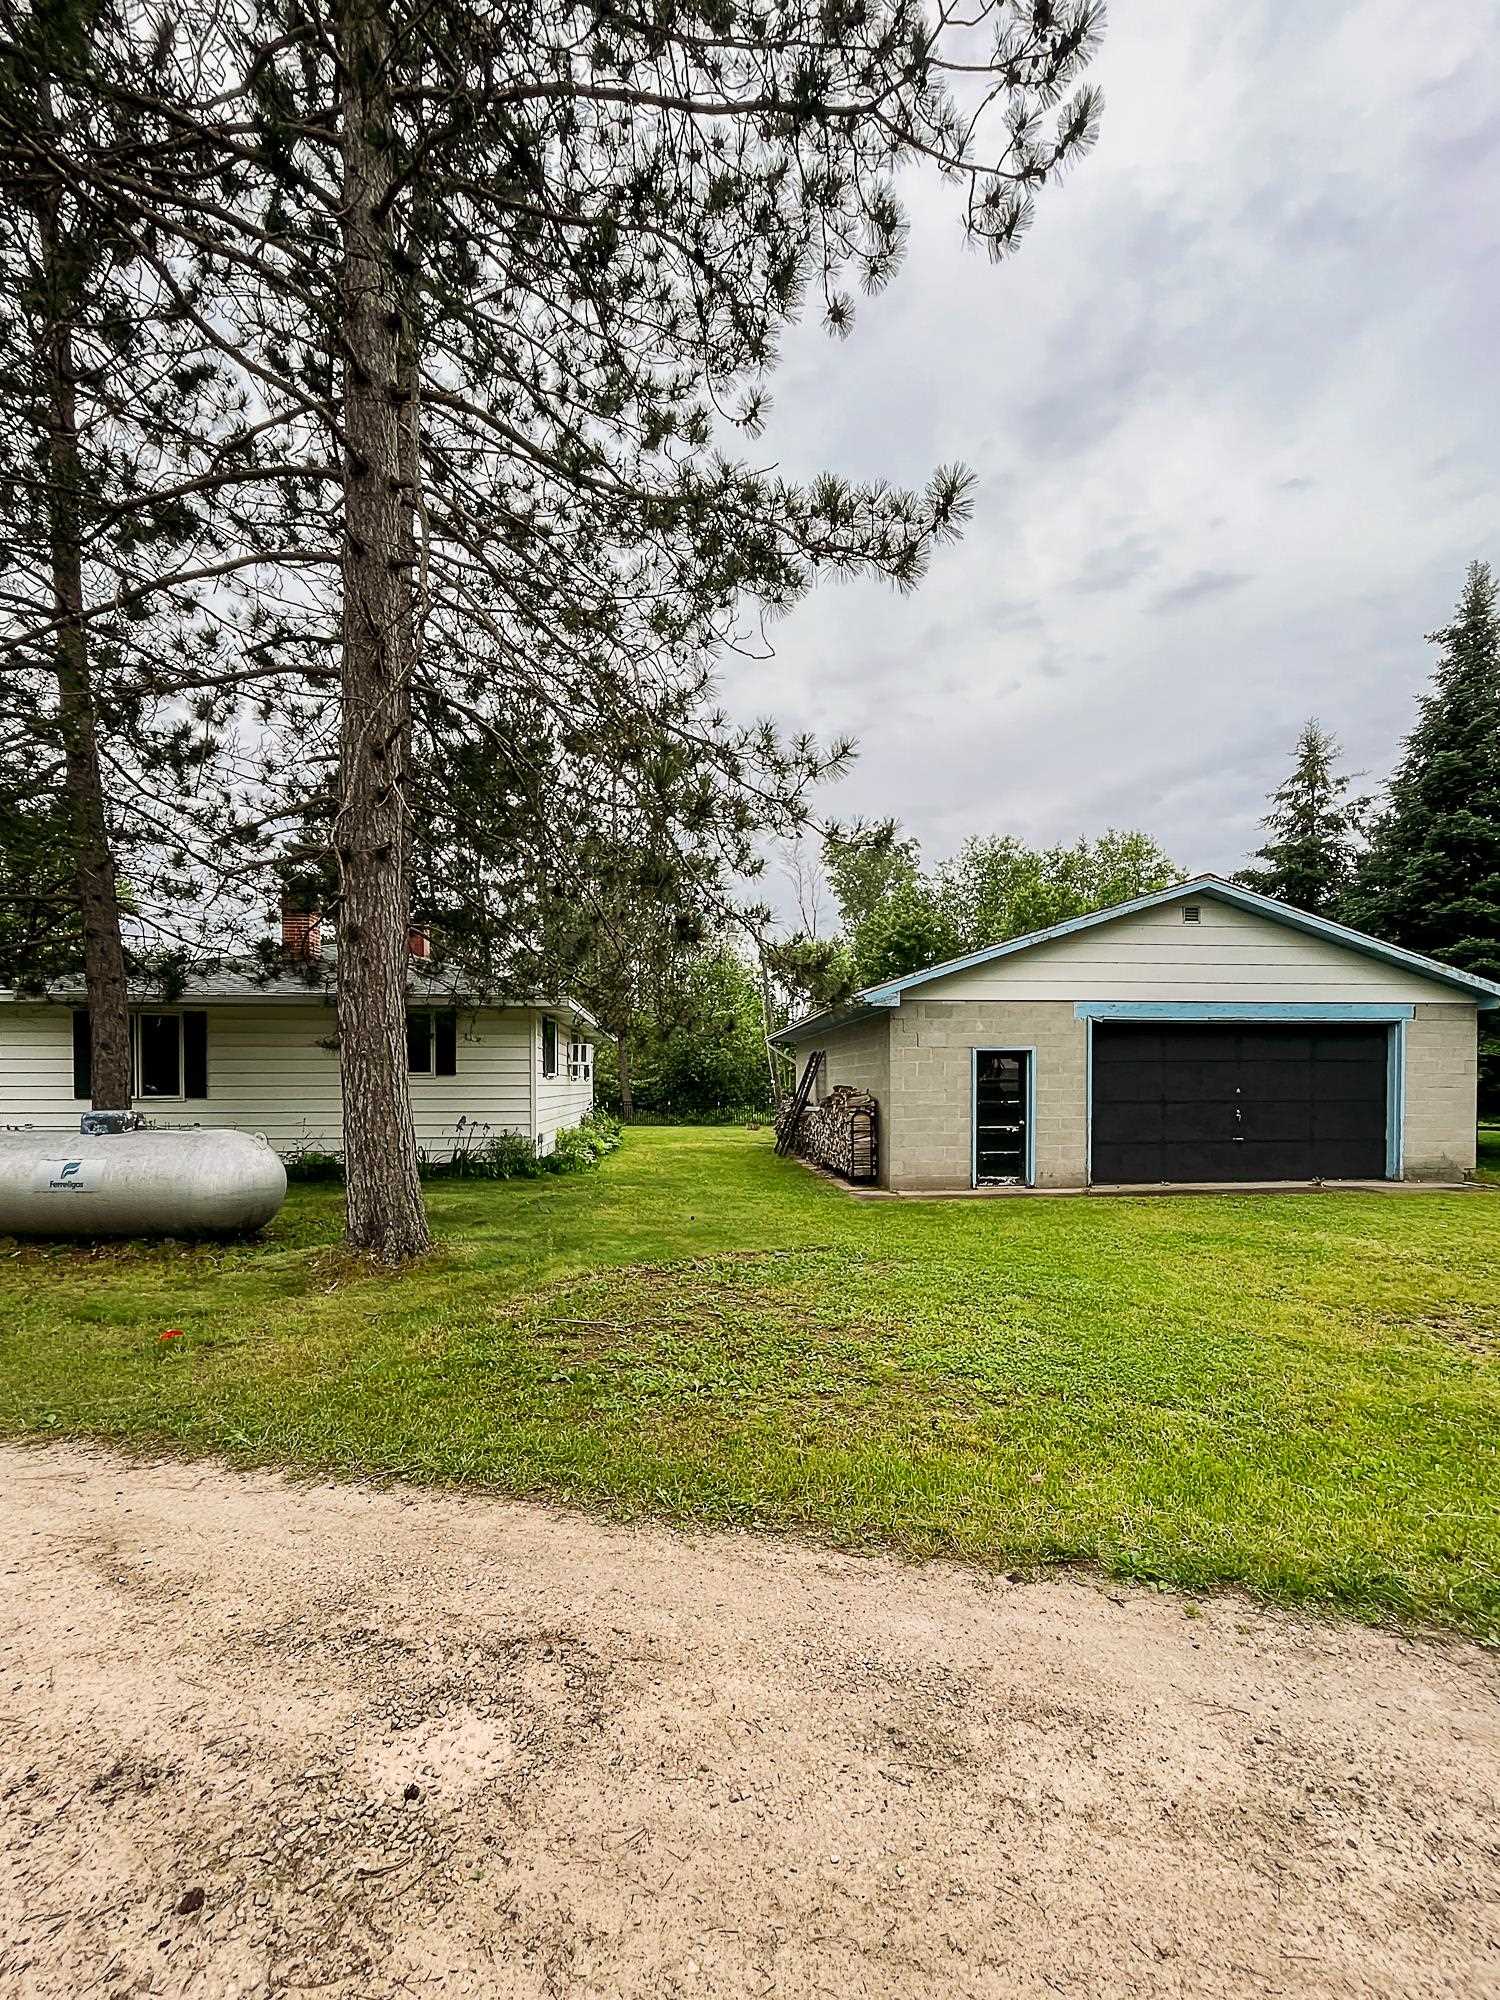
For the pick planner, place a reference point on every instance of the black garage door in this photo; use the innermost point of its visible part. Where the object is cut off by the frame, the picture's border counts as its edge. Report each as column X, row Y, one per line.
column 1216, row 1103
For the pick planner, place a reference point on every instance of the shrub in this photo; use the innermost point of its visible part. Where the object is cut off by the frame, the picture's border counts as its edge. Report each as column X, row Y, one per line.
column 1489, row 1076
column 570, row 1154
column 606, row 1130
column 509, row 1156
column 480, row 1154
column 577, row 1149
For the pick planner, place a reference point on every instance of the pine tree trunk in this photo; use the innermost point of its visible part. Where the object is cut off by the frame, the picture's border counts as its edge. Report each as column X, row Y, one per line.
column 627, row 1088
column 386, row 1217
column 765, row 1027
column 93, row 868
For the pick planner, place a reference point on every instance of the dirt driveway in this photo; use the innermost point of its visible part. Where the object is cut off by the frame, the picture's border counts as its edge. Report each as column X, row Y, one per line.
column 258, row 1738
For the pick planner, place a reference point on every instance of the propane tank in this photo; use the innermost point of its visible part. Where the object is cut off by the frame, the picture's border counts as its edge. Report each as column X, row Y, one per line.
column 203, row 1181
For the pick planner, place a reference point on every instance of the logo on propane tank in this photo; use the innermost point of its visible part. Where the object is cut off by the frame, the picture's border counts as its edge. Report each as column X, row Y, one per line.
column 67, row 1177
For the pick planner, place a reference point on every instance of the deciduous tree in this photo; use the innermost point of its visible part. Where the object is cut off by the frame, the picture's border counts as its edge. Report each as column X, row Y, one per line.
column 1000, row 888
column 899, row 918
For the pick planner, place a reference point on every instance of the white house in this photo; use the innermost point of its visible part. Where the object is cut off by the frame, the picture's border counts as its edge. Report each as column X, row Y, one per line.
column 237, row 1049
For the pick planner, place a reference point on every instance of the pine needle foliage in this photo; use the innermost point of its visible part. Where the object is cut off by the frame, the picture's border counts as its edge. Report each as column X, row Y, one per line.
column 1431, row 880
column 1315, row 829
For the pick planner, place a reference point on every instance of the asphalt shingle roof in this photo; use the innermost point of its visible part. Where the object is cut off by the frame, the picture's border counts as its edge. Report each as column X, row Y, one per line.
column 239, row 983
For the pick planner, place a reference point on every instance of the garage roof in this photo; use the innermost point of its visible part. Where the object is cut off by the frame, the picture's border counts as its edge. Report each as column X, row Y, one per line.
column 1485, row 991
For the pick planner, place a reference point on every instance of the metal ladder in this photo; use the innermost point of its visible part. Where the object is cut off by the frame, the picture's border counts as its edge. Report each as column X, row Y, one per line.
column 800, row 1096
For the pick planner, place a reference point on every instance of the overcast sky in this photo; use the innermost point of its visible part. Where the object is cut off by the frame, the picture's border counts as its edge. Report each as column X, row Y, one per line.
column 1233, row 412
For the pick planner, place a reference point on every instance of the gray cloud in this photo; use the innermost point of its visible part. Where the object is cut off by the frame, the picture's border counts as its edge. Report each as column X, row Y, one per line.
column 1194, row 589
column 1116, row 565
column 1235, row 424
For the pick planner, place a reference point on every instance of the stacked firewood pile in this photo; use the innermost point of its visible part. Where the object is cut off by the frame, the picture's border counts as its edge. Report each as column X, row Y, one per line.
column 838, row 1134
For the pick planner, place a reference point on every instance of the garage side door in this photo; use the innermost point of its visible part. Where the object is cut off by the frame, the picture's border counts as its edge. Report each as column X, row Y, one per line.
column 1213, row 1103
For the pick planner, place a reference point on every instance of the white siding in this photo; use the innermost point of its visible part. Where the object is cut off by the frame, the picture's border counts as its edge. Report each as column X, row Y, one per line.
column 268, row 1072
column 1230, row 954
column 36, row 1067
column 491, row 1086
column 561, row 1100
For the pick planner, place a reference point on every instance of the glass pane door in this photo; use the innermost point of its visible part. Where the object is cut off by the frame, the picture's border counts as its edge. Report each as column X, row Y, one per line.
column 999, row 1116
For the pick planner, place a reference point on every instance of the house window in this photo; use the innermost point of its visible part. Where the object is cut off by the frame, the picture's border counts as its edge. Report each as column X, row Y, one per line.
column 549, row 1046
column 158, row 1055
column 432, row 1042
column 168, row 1054
column 580, row 1058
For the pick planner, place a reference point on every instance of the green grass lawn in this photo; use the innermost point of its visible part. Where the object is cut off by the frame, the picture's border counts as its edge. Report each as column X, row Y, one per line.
column 1299, row 1394
column 1489, row 1152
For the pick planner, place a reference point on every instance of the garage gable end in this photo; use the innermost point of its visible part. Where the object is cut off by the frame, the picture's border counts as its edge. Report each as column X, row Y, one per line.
column 1204, row 941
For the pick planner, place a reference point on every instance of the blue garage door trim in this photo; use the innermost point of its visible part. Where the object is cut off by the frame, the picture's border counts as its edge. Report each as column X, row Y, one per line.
column 1242, row 1010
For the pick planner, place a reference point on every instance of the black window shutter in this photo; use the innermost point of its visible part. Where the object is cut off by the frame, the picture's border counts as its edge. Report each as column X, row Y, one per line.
column 445, row 1052
column 195, row 1055
column 418, row 1049
column 83, row 1053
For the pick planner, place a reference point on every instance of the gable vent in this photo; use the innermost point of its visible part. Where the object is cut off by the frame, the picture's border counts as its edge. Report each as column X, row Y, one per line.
column 1191, row 913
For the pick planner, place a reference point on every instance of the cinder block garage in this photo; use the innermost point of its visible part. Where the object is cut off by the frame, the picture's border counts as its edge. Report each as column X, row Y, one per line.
column 1203, row 1035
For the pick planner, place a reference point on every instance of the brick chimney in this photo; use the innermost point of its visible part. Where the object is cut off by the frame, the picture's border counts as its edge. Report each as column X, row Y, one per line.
column 419, row 943
column 301, row 934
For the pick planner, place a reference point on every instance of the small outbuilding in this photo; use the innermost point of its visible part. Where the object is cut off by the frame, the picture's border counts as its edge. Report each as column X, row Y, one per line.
column 1203, row 1035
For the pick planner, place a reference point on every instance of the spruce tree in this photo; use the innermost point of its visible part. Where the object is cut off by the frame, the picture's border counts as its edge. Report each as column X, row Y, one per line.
column 1314, row 827
column 1431, row 880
